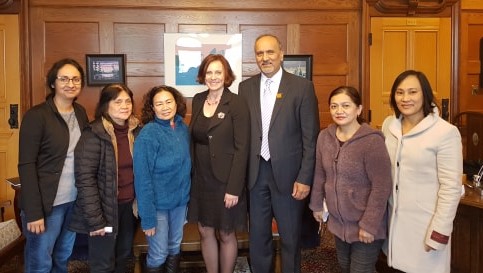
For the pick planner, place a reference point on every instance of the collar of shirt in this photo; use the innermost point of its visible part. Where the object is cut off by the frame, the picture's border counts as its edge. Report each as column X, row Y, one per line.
column 274, row 86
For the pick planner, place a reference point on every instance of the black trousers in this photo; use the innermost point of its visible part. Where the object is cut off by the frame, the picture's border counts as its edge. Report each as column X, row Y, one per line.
column 267, row 202
column 112, row 252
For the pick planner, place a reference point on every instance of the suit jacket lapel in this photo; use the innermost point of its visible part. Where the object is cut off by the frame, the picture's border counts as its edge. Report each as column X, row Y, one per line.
column 197, row 107
column 255, row 100
column 283, row 90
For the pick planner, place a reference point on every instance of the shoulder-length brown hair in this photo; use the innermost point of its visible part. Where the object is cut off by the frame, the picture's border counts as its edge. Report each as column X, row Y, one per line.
column 229, row 75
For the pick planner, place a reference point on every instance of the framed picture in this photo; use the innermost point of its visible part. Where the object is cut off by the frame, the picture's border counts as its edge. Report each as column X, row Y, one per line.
column 183, row 53
column 103, row 69
column 300, row 65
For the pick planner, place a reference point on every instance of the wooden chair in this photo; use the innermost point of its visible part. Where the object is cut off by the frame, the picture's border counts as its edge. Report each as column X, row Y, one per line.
column 15, row 246
column 191, row 247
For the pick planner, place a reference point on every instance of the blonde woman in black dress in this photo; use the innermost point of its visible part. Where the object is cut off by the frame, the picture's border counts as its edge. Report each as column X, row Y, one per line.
column 220, row 133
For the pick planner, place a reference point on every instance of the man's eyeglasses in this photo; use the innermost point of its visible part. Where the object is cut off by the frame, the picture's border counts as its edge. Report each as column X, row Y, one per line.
column 66, row 80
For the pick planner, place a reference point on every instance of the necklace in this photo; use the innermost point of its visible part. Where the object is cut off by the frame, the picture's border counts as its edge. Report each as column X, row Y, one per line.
column 211, row 101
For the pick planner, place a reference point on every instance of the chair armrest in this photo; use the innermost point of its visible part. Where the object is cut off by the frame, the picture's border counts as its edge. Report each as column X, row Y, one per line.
column 14, row 248
column 4, row 204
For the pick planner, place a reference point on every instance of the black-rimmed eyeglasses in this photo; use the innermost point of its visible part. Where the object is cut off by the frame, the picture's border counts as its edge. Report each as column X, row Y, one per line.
column 66, row 80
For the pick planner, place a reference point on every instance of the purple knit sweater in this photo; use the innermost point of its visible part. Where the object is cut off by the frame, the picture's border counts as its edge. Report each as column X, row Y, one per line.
column 355, row 180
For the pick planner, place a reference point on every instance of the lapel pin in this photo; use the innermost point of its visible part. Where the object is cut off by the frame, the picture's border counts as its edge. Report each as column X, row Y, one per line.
column 221, row 115
column 279, row 95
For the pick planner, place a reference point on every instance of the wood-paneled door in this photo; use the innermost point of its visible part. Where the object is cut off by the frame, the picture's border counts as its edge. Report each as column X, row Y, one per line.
column 401, row 43
column 9, row 95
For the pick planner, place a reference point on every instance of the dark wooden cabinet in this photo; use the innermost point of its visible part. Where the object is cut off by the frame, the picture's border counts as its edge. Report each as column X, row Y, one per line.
column 467, row 238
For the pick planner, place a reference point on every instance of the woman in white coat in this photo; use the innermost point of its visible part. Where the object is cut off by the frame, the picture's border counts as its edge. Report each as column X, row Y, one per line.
column 426, row 157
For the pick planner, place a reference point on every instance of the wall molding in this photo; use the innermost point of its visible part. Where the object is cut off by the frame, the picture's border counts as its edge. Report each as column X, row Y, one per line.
column 246, row 5
column 9, row 6
column 411, row 7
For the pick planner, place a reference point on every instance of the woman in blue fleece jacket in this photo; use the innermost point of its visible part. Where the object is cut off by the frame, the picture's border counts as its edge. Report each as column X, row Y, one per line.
column 162, row 168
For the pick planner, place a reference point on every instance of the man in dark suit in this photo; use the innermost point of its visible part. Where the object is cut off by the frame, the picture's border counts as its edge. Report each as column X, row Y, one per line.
column 284, row 127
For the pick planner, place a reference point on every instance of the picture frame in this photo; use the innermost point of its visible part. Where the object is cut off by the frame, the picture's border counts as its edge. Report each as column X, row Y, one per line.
column 184, row 52
column 300, row 65
column 102, row 69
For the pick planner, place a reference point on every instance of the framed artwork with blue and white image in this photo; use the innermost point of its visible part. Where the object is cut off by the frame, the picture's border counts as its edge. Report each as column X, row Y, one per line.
column 183, row 53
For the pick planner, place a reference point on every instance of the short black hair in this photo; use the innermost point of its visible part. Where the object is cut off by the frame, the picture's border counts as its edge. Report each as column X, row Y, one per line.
column 52, row 74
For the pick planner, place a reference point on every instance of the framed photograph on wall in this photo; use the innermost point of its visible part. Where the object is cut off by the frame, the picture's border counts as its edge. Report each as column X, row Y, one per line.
column 300, row 65
column 103, row 69
column 184, row 52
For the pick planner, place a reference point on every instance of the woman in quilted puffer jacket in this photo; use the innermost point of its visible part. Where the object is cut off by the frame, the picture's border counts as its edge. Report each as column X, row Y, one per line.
column 105, row 181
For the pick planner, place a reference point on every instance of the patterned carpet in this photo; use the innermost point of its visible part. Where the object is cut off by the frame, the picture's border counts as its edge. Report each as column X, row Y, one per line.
column 82, row 267
column 322, row 259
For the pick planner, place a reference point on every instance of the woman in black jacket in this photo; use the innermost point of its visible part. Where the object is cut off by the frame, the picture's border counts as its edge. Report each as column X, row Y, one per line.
column 105, row 181
column 220, row 130
column 48, row 136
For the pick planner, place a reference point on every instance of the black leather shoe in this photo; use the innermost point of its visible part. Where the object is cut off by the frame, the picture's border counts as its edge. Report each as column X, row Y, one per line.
column 172, row 263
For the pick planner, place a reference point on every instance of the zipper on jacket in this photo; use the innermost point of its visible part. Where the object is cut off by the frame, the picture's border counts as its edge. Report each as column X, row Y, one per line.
column 336, row 163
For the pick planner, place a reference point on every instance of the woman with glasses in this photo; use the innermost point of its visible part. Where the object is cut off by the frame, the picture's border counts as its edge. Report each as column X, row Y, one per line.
column 105, row 181
column 353, row 175
column 48, row 135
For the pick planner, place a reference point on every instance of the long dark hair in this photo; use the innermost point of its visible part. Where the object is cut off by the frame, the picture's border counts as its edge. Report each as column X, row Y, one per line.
column 147, row 113
column 428, row 97
column 52, row 74
column 108, row 93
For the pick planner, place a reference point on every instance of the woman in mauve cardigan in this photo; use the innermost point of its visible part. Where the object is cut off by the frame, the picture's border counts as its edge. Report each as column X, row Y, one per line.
column 353, row 175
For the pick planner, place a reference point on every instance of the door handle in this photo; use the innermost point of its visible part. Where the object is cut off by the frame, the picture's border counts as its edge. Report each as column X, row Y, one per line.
column 13, row 120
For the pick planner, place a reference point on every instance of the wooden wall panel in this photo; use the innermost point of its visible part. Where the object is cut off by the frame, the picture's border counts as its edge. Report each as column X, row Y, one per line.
column 191, row 28
column 334, row 45
column 471, row 4
column 250, row 33
column 142, row 43
column 331, row 35
column 67, row 38
column 72, row 40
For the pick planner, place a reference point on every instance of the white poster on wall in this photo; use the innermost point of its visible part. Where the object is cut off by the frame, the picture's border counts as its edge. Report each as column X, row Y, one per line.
column 184, row 52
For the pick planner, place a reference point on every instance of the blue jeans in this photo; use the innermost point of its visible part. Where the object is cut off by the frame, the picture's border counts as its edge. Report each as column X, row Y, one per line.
column 167, row 239
column 50, row 250
column 357, row 257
